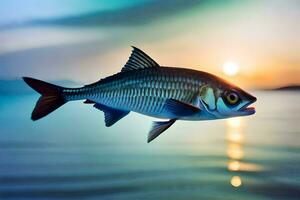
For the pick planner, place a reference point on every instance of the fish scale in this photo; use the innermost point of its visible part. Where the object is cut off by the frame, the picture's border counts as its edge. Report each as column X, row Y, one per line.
column 143, row 91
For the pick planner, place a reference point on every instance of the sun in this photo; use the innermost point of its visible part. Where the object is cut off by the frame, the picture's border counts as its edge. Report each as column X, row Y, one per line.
column 230, row 68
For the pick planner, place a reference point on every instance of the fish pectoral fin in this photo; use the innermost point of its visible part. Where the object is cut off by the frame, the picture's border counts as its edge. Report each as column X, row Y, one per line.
column 159, row 127
column 111, row 115
column 139, row 60
column 179, row 108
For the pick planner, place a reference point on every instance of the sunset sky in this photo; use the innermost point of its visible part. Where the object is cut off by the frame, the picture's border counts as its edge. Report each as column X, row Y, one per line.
column 84, row 41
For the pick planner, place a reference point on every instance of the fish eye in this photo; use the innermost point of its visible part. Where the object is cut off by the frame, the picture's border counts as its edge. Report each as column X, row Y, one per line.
column 232, row 98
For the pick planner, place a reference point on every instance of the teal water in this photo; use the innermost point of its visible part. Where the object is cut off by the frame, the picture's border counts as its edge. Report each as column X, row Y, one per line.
column 71, row 154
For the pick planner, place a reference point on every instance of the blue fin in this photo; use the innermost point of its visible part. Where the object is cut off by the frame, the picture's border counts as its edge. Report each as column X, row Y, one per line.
column 111, row 115
column 180, row 109
column 158, row 128
column 139, row 60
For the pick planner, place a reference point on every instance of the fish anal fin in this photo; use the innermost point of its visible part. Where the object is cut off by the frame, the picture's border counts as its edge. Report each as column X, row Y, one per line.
column 139, row 60
column 180, row 109
column 158, row 128
column 111, row 115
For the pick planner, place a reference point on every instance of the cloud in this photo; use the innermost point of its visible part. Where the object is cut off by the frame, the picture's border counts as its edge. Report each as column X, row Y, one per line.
column 136, row 15
column 55, row 62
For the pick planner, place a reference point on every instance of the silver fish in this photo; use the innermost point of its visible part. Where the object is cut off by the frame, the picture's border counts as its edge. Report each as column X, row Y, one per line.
column 145, row 87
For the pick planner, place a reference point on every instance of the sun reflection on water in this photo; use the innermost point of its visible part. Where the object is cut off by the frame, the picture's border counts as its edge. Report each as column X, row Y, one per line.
column 235, row 136
column 236, row 181
column 235, row 152
column 234, row 165
column 234, row 123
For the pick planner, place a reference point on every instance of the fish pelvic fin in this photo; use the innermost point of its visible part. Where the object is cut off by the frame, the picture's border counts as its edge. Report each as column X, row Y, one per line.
column 111, row 115
column 51, row 97
column 158, row 128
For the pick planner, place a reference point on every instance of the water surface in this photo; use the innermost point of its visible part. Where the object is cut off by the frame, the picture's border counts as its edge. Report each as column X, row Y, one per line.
column 71, row 154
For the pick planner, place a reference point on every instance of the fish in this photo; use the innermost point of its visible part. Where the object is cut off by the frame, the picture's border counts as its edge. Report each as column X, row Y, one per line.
column 143, row 86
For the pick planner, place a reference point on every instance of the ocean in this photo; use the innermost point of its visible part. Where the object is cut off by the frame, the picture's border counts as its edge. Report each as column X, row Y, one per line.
column 70, row 154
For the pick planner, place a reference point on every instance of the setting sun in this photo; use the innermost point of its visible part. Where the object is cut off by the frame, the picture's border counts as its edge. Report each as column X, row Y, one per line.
column 230, row 68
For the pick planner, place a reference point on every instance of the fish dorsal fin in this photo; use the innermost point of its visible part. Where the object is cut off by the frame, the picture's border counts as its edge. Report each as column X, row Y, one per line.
column 158, row 128
column 111, row 115
column 138, row 60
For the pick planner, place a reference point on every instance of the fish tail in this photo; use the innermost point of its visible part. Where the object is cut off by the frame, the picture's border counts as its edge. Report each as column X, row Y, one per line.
column 51, row 99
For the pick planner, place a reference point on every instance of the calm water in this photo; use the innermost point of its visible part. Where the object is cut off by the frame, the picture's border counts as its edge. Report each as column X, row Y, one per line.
column 72, row 155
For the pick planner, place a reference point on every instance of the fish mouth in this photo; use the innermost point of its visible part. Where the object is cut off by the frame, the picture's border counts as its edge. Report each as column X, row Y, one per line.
column 250, row 110
column 247, row 109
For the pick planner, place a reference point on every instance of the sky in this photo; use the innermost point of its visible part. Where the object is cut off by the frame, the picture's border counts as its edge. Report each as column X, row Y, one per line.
column 84, row 41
